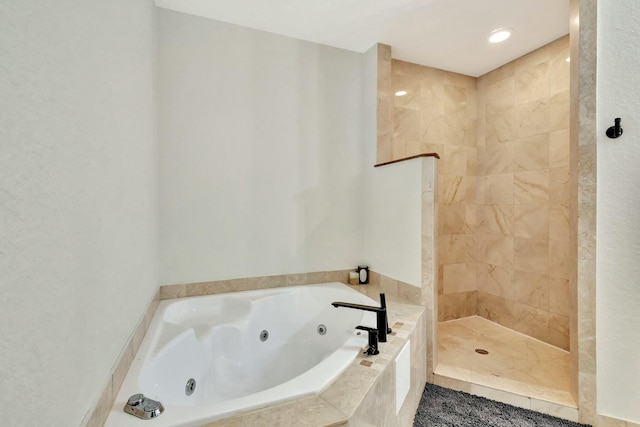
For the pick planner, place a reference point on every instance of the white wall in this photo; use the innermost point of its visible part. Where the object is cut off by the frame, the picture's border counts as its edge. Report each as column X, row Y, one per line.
column 393, row 220
column 78, row 228
column 260, row 140
column 618, row 227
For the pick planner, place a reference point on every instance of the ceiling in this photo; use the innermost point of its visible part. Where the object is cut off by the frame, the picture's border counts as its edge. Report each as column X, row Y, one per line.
column 447, row 34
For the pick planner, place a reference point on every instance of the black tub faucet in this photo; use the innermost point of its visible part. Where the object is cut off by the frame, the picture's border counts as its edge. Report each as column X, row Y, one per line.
column 382, row 324
column 372, row 333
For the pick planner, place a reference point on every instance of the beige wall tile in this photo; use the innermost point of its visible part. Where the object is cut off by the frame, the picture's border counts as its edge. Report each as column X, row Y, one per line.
column 459, row 277
column 531, row 118
column 458, row 129
column 559, row 47
column 458, row 305
column 559, row 185
column 411, row 85
column 496, row 250
column 430, row 75
column 498, row 190
column 398, row 148
column 560, row 260
column 496, row 280
column 559, row 226
column 497, row 309
column 412, row 148
column 459, row 79
column 495, row 219
column 431, row 95
column 604, row 421
column 456, row 189
column 531, row 187
column 559, row 71
column 532, row 289
column 542, row 54
column 498, row 159
column 431, row 148
column 453, row 249
column 383, row 152
column 559, row 296
column 531, row 255
column 501, row 127
column 559, row 331
column 559, row 111
column 384, row 52
column 505, row 71
column 454, row 97
column 532, row 82
column 531, row 221
column 500, row 96
column 559, row 148
column 457, row 219
column 531, row 153
column 458, row 160
column 384, row 80
column 532, row 321
column 406, row 123
column 403, row 68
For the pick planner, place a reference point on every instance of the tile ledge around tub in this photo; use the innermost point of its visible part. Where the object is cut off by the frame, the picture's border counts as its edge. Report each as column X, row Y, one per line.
column 341, row 395
column 251, row 283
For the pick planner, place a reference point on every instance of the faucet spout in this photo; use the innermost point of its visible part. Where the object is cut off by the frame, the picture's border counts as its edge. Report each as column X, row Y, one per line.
column 357, row 306
column 381, row 315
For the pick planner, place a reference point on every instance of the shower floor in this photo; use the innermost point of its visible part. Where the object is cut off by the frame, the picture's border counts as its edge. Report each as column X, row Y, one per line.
column 518, row 370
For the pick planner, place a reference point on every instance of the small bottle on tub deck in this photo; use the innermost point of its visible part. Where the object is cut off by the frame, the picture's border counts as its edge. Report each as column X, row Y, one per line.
column 353, row 278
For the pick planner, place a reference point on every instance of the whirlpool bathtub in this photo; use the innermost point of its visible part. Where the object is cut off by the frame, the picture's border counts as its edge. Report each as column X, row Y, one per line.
column 210, row 357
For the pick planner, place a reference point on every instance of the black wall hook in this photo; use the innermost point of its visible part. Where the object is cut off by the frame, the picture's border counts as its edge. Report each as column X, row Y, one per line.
column 615, row 130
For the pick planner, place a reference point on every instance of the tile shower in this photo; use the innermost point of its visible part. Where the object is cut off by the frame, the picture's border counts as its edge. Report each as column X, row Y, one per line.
column 504, row 221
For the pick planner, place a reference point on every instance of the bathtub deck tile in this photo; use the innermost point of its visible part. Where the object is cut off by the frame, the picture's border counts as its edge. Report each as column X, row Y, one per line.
column 312, row 411
column 349, row 390
column 229, row 422
column 348, row 401
column 172, row 291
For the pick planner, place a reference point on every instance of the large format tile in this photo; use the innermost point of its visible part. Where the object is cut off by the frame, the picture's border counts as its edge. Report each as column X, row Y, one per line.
column 517, row 369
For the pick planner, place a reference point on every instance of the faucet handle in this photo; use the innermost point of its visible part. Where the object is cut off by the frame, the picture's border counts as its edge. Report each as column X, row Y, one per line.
column 383, row 304
column 373, row 340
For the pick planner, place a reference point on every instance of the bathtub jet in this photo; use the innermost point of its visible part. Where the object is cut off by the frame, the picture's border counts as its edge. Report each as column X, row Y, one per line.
column 382, row 324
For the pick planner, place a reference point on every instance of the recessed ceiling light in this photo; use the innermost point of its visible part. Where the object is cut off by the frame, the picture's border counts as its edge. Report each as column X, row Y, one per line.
column 401, row 93
column 500, row 35
column 568, row 59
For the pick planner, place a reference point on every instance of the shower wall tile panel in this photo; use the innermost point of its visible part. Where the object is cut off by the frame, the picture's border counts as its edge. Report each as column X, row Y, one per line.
column 524, row 214
column 504, row 219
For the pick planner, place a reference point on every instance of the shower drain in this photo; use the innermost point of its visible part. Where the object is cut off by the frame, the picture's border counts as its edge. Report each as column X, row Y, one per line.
column 481, row 351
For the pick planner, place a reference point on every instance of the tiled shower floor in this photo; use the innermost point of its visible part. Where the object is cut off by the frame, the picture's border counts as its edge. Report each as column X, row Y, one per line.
column 517, row 369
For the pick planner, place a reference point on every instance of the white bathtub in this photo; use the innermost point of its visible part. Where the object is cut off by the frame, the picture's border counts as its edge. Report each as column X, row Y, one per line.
column 216, row 340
